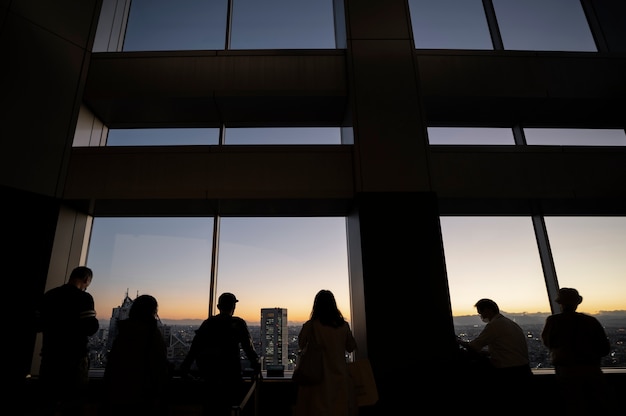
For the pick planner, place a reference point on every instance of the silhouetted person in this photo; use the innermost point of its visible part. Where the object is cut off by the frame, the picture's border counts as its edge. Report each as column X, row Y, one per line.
column 577, row 343
column 335, row 395
column 215, row 350
column 66, row 317
column 504, row 342
column 137, row 370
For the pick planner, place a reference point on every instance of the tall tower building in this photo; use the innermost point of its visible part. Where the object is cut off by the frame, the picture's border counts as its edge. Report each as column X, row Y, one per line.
column 118, row 313
column 274, row 336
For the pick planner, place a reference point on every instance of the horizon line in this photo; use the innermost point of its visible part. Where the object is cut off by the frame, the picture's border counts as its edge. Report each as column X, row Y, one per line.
column 174, row 321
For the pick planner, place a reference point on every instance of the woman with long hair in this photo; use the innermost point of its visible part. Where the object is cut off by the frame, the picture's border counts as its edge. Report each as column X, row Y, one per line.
column 334, row 395
column 137, row 370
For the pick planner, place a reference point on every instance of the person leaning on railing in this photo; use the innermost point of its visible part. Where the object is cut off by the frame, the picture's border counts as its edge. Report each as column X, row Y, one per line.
column 215, row 350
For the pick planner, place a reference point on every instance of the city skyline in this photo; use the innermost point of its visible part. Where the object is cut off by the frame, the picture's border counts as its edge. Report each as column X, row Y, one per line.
column 473, row 320
column 178, row 337
column 283, row 262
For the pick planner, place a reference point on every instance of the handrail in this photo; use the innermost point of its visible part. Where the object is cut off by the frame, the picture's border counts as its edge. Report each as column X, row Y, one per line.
column 236, row 409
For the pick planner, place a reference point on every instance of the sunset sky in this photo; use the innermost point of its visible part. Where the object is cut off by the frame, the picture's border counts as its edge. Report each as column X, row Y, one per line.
column 283, row 262
column 265, row 262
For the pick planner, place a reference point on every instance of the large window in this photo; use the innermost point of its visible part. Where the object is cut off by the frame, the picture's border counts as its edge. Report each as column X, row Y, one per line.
column 167, row 25
column 531, row 136
column 169, row 258
column 283, row 262
column 470, row 135
column 162, row 137
column 265, row 262
column 282, row 135
column 449, row 24
column 550, row 25
column 498, row 258
column 493, row 257
column 575, row 137
column 283, row 24
column 544, row 25
column 161, row 25
column 589, row 255
column 211, row 136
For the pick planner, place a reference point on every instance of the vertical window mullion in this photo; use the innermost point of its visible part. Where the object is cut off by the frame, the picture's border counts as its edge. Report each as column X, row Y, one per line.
column 547, row 261
column 214, row 259
column 339, row 17
column 594, row 26
column 229, row 23
column 492, row 22
column 518, row 135
column 222, row 139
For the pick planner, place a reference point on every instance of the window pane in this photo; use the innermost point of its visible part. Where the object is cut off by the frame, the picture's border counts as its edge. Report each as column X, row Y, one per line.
column 282, row 24
column 283, row 263
column 282, row 135
column 162, row 137
column 540, row 25
column 266, row 262
column 493, row 257
column 575, row 137
column 161, row 25
column 449, row 24
column 589, row 256
column 168, row 258
column 470, row 135
column 496, row 258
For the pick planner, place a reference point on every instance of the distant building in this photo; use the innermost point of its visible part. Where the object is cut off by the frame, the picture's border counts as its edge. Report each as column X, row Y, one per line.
column 274, row 336
column 118, row 314
column 177, row 347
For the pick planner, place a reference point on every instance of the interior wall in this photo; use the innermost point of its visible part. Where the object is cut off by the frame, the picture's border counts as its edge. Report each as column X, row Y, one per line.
column 47, row 46
column 28, row 224
column 45, row 49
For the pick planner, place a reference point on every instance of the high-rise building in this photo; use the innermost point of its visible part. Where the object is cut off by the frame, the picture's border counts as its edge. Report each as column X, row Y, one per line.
column 274, row 336
column 118, row 314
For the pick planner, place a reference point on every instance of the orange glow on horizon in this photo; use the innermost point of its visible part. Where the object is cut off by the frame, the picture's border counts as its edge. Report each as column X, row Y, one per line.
column 173, row 309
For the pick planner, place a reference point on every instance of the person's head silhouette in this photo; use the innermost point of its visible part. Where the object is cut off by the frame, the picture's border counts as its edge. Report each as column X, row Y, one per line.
column 568, row 298
column 226, row 302
column 144, row 308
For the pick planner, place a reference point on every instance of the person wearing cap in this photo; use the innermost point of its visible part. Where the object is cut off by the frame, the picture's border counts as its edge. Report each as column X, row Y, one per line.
column 577, row 343
column 215, row 350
